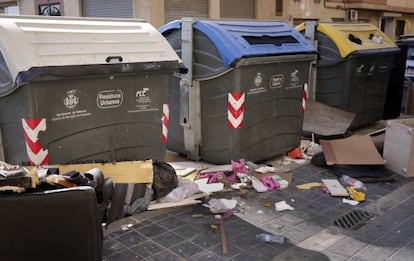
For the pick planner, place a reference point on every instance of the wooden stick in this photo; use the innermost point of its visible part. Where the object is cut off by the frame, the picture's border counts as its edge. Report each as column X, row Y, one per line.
column 222, row 235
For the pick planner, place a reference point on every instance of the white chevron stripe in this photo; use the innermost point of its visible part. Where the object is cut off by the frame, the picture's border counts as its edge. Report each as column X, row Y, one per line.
column 33, row 134
column 38, row 158
column 235, row 122
column 236, row 103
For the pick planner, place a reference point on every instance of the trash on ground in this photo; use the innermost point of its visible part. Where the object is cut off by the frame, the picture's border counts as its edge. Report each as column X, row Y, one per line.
column 257, row 184
column 265, row 169
column 350, row 202
column 221, row 205
column 282, row 206
column 269, row 238
column 335, row 188
column 355, row 194
column 310, row 185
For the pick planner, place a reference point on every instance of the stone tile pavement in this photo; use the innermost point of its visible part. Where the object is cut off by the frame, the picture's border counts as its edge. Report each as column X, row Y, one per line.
column 309, row 230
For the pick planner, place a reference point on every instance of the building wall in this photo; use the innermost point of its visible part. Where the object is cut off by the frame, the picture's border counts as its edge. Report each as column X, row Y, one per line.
column 294, row 11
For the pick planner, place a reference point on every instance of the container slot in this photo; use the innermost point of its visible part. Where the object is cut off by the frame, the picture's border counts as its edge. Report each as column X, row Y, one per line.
column 275, row 40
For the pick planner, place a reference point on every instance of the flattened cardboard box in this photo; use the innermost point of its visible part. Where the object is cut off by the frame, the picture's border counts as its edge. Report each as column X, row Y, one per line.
column 399, row 146
column 354, row 150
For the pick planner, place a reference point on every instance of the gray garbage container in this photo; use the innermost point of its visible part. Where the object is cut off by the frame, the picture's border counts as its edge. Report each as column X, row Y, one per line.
column 242, row 96
column 83, row 90
column 353, row 69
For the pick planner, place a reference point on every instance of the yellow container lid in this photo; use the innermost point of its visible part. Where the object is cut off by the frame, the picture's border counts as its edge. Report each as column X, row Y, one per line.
column 353, row 37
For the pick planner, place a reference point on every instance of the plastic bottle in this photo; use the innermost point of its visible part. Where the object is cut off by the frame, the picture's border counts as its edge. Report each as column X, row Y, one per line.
column 268, row 238
column 352, row 182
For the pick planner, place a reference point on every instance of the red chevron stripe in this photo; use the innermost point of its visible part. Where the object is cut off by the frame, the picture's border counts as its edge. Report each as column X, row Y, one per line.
column 236, row 113
column 32, row 123
column 35, row 147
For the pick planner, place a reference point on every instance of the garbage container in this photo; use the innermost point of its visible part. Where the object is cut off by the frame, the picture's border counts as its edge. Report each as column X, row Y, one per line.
column 394, row 94
column 242, row 95
column 406, row 44
column 76, row 90
column 353, row 69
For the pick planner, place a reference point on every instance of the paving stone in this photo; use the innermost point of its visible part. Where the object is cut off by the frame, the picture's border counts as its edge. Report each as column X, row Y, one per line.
column 346, row 247
column 206, row 255
column 186, row 249
column 403, row 255
column 188, row 231
column 168, row 239
column 111, row 246
column 131, row 238
column 296, row 235
column 151, row 230
column 125, row 255
column 171, row 222
column 147, row 248
column 165, row 256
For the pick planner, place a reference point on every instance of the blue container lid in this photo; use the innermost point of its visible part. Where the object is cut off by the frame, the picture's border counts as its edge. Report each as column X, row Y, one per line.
column 239, row 39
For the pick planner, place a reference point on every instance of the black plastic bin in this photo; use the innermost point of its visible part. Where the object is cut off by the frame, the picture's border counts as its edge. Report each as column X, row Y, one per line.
column 353, row 69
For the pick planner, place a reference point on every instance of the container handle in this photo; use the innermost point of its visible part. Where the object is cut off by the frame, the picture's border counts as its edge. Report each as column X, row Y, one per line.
column 109, row 58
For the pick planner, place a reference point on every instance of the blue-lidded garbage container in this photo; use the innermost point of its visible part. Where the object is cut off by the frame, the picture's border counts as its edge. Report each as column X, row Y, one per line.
column 242, row 96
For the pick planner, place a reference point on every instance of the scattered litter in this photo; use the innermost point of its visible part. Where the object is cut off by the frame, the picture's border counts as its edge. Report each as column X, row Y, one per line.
column 243, row 177
column 270, row 183
column 282, row 206
column 356, row 195
column 126, row 226
column 267, row 204
column 335, row 188
column 221, row 205
column 239, row 185
column 208, row 188
column 257, row 184
column 309, row 185
column 265, row 169
column 260, row 212
column 269, row 238
column 350, row 202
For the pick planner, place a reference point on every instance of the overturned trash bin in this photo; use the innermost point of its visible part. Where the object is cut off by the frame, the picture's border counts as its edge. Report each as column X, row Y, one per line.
column 353, row 69
column 242, row 96
column 75, row 90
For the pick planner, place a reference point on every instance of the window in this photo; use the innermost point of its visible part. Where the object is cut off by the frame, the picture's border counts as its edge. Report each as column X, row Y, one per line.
column 279, row 7
column 50, row 9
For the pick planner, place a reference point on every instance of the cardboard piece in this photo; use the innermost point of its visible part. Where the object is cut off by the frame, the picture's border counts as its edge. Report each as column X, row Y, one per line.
column 325, row 120
column 119, row 172
column 335, row 188
column 354, row 150
column 399, row 146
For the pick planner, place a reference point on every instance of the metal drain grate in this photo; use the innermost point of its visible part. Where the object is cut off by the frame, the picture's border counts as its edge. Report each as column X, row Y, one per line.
column 353, row 219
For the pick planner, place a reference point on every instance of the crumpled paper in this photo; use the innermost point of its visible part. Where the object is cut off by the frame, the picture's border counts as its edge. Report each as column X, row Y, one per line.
column 221, row 205
column 282, row 206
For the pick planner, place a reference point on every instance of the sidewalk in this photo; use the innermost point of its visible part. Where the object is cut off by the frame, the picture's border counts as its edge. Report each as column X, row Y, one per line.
column 309, row 229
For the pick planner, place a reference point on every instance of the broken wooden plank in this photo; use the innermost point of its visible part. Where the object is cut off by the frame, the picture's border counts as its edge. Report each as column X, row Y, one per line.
column 184, row 202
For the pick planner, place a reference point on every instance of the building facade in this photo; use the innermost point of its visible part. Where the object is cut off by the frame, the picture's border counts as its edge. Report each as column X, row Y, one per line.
column 394, row 17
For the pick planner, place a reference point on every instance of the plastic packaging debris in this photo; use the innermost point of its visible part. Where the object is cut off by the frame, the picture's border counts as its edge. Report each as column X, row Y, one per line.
column 269, row 238
column 185, row 188
column 265, row 169
column 282, row 182
column 352, row 182
column 257, row 184
column 239, row 185
column 221, row 205
column 282, row 206
column 356, row 195
column 350, row 202
column 243, row 177
column 270, row 183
